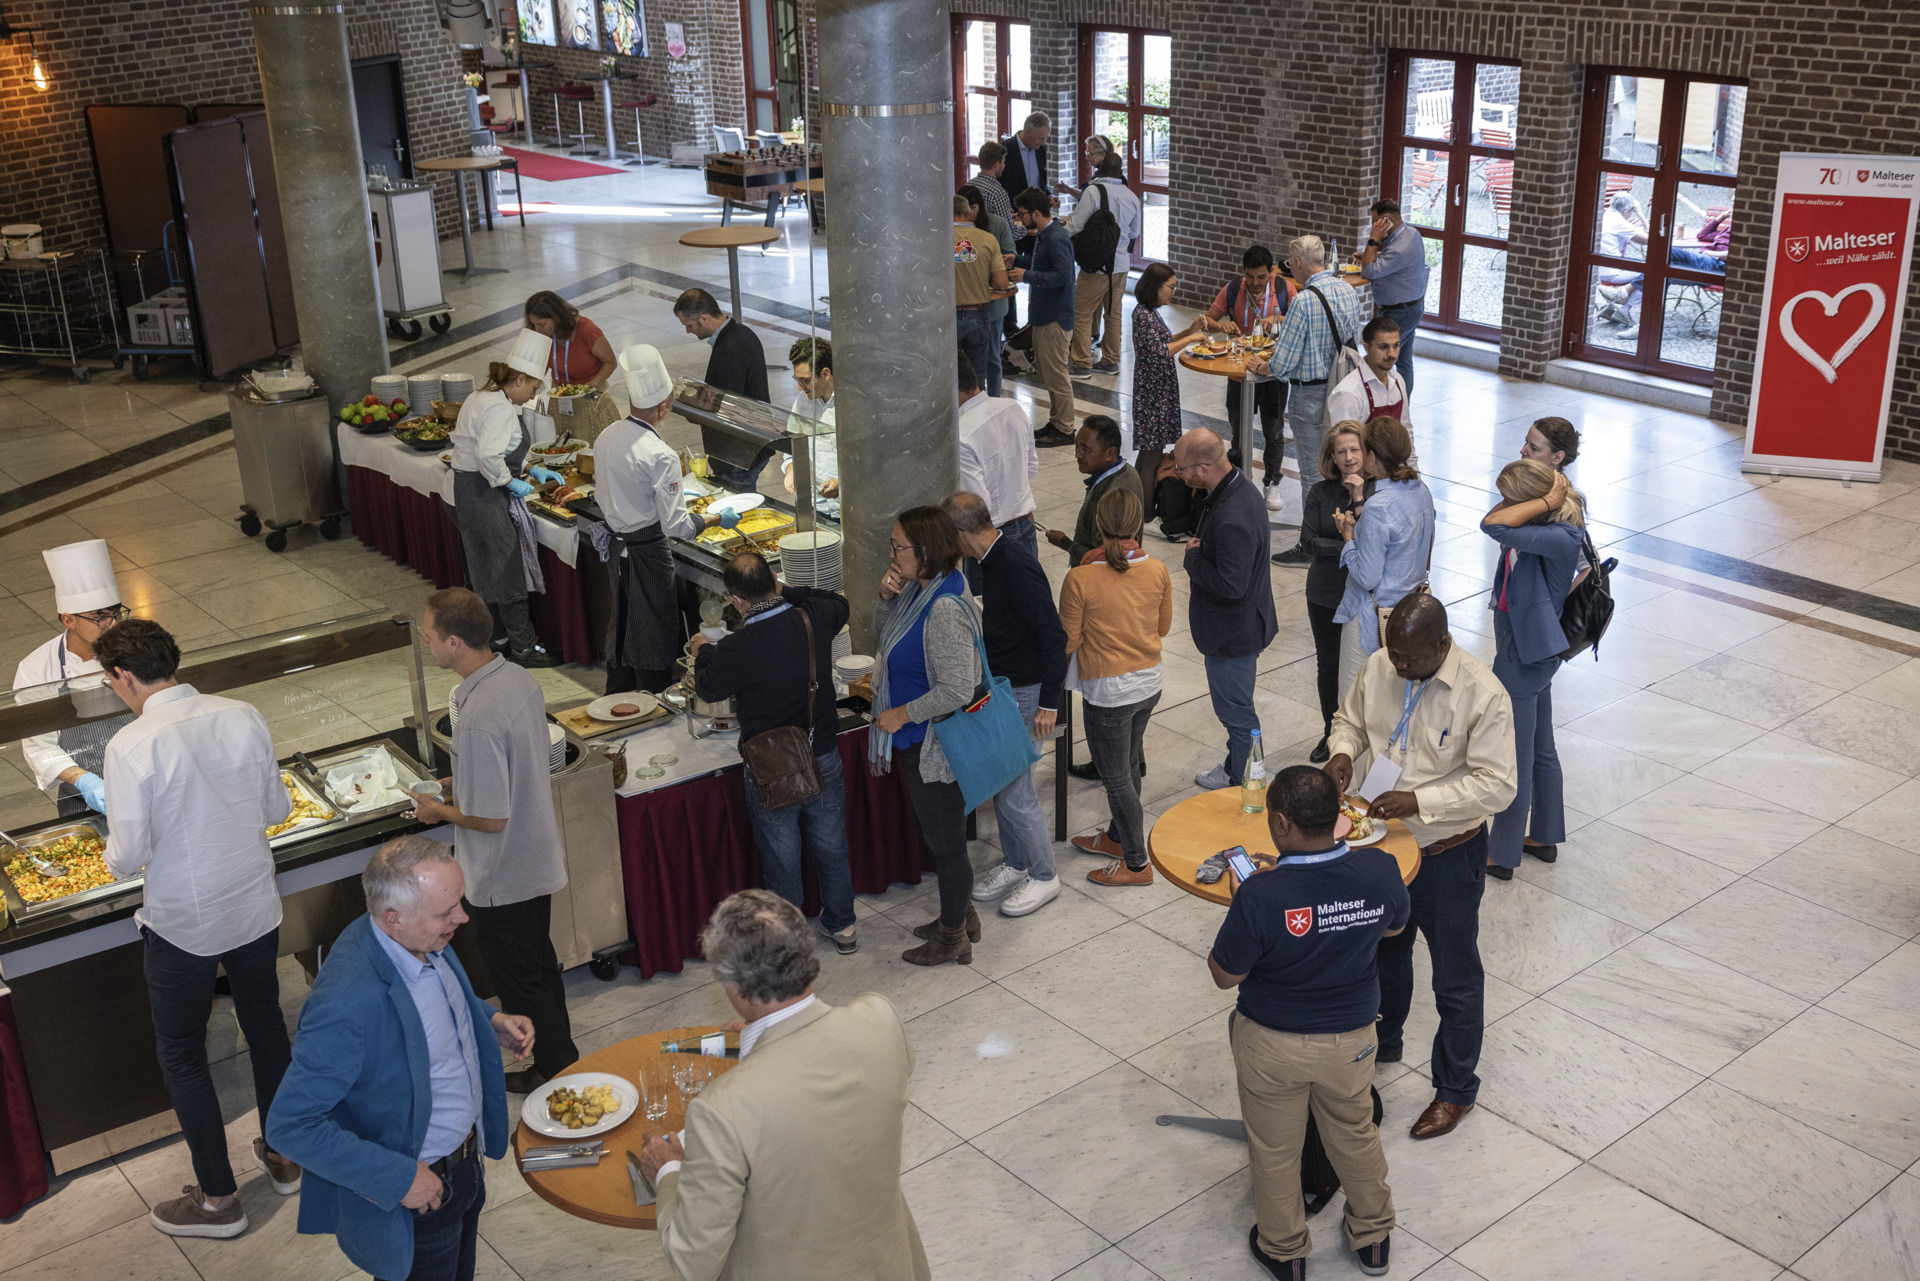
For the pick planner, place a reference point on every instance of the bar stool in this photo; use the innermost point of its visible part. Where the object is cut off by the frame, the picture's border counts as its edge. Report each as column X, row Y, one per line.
column 636, row 106
column 579, row 96
column 559, row 135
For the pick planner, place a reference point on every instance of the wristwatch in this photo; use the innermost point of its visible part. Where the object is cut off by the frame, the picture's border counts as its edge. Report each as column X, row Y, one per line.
column 1375, row 244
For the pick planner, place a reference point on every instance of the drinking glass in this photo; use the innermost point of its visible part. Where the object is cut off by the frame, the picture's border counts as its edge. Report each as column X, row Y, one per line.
column 653, row 1097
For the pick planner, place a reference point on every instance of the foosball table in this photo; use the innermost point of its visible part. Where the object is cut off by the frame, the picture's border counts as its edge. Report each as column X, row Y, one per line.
column 770, row 175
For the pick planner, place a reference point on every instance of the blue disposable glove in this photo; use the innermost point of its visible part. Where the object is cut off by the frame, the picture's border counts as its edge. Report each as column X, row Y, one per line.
column 728, row 519
column 93, row 790
column 543, row 475
column 519, row 488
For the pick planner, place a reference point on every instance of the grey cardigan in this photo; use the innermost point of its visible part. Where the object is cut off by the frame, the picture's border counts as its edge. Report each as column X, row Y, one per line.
column 953, row 671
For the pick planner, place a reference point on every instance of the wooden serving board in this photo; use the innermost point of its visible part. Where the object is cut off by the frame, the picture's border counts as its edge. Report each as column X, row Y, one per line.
column 585, row 726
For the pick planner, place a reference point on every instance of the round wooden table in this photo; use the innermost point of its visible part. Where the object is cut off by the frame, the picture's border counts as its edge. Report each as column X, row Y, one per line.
column 460, row 167
column 730, row 239
column 1201, row 826
column 604, row 1192
column 1231, row 367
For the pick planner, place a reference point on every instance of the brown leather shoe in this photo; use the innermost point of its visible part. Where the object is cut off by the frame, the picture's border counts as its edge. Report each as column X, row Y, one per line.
column 525, row 1081
column 1439, row 1119
column 972, row 927
column 1100, row 844
column 1118, row 873
column 942, row 946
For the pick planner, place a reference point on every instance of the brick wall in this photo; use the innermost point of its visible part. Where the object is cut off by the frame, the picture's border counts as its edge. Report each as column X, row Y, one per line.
column 187, row 52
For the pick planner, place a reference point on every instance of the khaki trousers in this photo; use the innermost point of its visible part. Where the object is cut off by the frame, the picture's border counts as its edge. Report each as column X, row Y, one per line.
column 1281, row 1075
column 1091, row 292
column 1050, row 359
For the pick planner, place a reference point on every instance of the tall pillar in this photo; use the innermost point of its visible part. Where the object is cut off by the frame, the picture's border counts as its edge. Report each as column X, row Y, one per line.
column 886, row 116
column 308, row 87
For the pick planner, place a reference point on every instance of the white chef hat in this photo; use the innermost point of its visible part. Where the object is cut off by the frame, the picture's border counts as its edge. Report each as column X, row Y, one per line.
column 648, row 382
column 530, row 351
column 82, row 576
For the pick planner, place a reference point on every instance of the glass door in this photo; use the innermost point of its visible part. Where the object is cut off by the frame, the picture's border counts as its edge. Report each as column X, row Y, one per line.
column 1659, row 157
column 1126, row 75
column 1451, row 128
column 991, row 84
column 770, row 41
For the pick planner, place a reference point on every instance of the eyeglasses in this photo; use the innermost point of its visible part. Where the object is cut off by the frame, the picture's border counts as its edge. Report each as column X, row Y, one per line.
column 903, row 547
column 106, row 617
column 1180, row 470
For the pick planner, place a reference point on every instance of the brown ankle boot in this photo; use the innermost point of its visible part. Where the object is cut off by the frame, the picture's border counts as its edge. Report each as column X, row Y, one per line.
column 942, row 946
column 972, row 927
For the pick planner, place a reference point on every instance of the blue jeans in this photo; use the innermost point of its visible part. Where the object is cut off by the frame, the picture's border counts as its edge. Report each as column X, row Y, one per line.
column 1539, row 806
column 1230, row 682
column 777, row 833
column 1023, row 828
column 444, row 1240
column 1408, row 315
column 974, row 332
column 1698, row 260
column 180, row 997
column 1446, row 908
column 1020, row 531
column 1307, row 414
column 1115, row 736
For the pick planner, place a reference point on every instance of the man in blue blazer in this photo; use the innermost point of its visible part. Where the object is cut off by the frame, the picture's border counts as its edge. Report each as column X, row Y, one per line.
column 395, row 1087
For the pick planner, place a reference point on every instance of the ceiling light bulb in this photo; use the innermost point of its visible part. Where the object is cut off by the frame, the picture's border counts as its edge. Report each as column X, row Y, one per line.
column 40, row 81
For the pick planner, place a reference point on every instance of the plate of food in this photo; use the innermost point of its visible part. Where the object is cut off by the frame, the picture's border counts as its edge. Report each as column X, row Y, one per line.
column 84, row 857
column 1212, row 347
column 424, row 434
column 616, row 708
column 735, row 503
column 1355, row 825
column 580, row 1105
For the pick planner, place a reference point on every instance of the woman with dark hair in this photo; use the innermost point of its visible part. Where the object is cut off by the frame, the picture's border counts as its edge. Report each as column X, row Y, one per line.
column 1389, row 544
column 1002, row 231
column 1340, row 489
column 928, row 667
column 1156, row 381
column 1540, row 525
column 582, row 356
column 1553, row 441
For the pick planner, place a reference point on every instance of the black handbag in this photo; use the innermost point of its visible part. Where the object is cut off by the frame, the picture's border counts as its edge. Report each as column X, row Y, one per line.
column 1589, row 606
column 781, row 760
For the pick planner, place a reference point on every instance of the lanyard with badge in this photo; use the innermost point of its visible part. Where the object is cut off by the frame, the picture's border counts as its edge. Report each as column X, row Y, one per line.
column 1384, row 774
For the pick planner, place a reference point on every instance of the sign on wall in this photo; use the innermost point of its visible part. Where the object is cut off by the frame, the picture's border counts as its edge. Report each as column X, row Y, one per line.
column 625, row 24
column 1843, row 230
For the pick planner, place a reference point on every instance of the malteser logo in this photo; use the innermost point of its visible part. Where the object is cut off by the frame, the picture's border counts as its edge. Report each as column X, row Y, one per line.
column 1797, row 248
column 1861, row 175
column 1299, row 921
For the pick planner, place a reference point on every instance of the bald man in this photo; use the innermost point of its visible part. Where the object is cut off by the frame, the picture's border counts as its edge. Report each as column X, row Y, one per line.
column 1439, row 725
column 1230, row 608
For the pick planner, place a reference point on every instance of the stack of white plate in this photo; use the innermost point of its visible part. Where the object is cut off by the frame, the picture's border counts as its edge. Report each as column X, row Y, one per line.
column 812, row 559
column 843, row 644
column 455, row 388
column 423, row 390
column 851, row 667
column 388, row 388
column 557, row 757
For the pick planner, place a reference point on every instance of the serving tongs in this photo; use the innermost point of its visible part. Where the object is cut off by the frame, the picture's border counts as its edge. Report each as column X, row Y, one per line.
column 52, row 871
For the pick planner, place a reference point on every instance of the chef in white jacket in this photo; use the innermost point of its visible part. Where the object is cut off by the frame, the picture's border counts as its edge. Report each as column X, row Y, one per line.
column 67, row 764
column 637, row 481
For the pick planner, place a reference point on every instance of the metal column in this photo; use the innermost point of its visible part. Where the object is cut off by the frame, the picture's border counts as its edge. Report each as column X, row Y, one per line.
column 308, row 89
column 886, row 84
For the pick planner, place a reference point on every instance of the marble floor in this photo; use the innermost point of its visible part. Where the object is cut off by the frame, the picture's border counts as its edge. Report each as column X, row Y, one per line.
column 1703, row 1052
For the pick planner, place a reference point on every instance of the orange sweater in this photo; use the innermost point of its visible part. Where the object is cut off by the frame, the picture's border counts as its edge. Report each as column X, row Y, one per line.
column 1110, row 616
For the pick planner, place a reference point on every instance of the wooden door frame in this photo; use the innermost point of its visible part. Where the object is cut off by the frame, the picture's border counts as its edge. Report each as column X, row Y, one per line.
column 963, row 159
column 772, row 92
column 1655, row 271
column 1130, row 147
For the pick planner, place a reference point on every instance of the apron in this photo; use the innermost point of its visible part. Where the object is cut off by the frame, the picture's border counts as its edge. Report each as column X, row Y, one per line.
column 1379, row 411
column 87, row 744
column 488, row 534
column 645, row 631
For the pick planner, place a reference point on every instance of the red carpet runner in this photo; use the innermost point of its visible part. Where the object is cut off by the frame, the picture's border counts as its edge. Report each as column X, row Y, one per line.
column 542, row 167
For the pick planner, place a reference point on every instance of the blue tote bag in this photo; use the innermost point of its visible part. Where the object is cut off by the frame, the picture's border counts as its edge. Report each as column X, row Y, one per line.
column 986, row 742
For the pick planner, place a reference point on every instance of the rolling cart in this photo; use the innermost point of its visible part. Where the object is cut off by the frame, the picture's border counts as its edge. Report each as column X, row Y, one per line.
column 407, row 250
column 59, row 307
column 284, row 441
column 168, row 329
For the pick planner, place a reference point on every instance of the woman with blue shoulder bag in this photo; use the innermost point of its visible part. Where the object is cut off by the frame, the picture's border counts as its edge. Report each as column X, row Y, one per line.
column 1540, row 526
column 928, row 667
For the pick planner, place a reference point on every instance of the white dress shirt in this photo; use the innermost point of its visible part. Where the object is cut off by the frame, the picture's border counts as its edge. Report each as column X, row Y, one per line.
column 998, row 459
column 46, row 665
column 1349, row 399
column 1125, row 207
column 487, row 430
column 192, row 787
column 637, row 480
column 749, row 1037
column 824, row 446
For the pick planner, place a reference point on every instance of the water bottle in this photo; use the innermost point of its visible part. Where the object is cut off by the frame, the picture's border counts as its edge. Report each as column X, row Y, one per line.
column 1253, row 784
column 712, row 1045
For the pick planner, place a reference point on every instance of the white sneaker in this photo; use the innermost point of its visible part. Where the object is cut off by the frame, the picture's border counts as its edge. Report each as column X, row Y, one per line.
column 1030, row 897
column 1002, row 882
column 1213, row 780
column 1274, row 499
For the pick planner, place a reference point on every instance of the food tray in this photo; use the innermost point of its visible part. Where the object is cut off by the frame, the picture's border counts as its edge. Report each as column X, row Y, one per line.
column 405, row 767
column 307, row 792
column 23, row 910
column 586, row 727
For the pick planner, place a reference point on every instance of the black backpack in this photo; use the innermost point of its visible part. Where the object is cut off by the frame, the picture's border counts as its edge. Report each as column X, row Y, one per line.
column 1095, row 244
column 1589, row 606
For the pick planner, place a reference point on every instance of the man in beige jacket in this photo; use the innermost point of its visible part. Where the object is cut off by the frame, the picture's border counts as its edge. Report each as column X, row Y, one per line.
column 809, row 1123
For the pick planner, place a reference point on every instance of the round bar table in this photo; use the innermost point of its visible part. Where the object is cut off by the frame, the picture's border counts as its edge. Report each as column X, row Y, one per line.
column 730, row 239
column 1231, row 366
column 460, row 167
column 604, row 1192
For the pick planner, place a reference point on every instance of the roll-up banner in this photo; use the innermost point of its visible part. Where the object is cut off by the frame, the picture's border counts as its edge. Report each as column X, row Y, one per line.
column 1843, row 230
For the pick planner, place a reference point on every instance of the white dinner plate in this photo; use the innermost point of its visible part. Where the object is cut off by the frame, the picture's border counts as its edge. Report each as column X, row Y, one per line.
column 534, row 1110
column 1343, row 828
column 735, row 503
column 601, row 709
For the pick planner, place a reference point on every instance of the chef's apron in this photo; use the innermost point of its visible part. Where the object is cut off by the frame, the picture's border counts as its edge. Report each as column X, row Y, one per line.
column 87, row 744
column 1395, row 410
column 488, row 535
column 645, row 632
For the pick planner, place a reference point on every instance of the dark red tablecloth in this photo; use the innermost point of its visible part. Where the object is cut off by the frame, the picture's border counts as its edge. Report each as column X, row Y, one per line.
column 686, row 847
column 413, row 529
column 23, row 1164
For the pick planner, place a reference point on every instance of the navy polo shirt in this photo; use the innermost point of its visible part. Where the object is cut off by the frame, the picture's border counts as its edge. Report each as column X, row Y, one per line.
column 1307, row 935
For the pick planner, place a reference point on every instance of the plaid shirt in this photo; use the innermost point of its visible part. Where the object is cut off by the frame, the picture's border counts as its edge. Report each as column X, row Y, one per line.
column 1304, row 349
column 994, row 195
